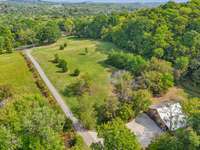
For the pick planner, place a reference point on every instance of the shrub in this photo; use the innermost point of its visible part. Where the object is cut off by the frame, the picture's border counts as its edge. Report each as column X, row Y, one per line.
column 5, row 92
column 158, row 82
column 86, row 111
column 77, row 143
column 76, row 72
column 67, row 125
column 65, row 44
column 141, row 101
column 62, row 47
column 108, row 111
column 125, row 112
column 158, row 52
column 63, row 65
column 133, row 63
column 86, row 50
column 56, row 58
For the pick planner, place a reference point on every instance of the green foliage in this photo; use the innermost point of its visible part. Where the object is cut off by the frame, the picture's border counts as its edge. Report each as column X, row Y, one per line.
column 5, row 92
column 108, row 111
column 123, row 86
column 170, row 31
column 86, row 50
column 8, row 45
column 86, row 112
column 48, row 33
column 69, row 25
column 81, row 86
column 35, row 128
column 134, row 63
column 116, row 136
column 1, row 45
column 165, row 142
column 7, row 138
column 65, row 44
column 96, row 146
column 141, row 101
column 158, row 82
column 191, row 108
column 62, row 47
column 125, row 112
column 56, row 58
column 78, row 143
column 181, row 65
column 194, row 70
column 185, row 139
column 160, row 65
column 158, row 52
column 76, row 72
column 68, row 126
column 63, row 65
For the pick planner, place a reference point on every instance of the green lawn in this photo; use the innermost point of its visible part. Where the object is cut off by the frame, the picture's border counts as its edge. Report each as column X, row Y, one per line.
column 91, row 64
column 14, row 72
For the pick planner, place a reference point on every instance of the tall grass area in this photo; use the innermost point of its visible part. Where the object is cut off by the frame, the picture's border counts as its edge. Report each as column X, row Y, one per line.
column 90, row 64
column 15, row 73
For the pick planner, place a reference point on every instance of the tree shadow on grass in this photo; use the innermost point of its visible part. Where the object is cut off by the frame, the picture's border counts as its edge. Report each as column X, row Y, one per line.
column 82, row 54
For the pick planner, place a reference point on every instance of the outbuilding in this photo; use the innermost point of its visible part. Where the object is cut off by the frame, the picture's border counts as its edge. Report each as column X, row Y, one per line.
column 168, row 115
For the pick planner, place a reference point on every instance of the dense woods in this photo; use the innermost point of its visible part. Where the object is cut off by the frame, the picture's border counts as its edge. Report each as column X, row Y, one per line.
column 169, row 32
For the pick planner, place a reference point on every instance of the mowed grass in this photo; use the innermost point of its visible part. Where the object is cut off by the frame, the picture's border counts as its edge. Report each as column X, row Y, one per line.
column 15, row 73
column 91, row 64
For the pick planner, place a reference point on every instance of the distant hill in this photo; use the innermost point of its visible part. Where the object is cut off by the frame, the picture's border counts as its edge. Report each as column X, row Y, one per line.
column 90, row 1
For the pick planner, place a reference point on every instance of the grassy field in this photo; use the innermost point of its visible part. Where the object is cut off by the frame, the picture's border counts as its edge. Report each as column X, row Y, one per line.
column 14, row 72
column 90, row 63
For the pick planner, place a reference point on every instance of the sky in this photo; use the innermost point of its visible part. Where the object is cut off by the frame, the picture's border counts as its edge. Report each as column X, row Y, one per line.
column 119, row 1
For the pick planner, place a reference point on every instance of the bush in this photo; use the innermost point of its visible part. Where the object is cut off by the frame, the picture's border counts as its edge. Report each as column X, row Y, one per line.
column 158, row 52
column 133, row 63
column 5, row 92
column 65, row 45
column 108, row 111
column 78, row 88
column 141, row 101
column 67, row 125
column 86, row 111
column 77, row 143
column 158, row 82
column 56, row 58
column 76, row 72
column 86, row 50
column 62, row 47
column 96, row 146
column 63, row 65
column 125, row 112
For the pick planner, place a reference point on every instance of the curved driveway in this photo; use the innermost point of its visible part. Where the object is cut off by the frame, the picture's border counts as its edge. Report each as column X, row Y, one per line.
column 89, row 137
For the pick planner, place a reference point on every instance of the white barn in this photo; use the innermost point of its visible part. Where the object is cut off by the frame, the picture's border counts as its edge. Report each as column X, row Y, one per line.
column 168, row 116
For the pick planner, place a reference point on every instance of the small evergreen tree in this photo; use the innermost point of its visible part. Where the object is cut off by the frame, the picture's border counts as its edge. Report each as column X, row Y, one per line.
column 56, row 58
column 76, row 72
column 86, row 50
column 63, row 65
column 65, row 44
column 62, row 47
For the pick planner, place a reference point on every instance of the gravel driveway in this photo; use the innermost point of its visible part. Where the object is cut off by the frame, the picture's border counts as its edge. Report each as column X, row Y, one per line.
column 144, row 128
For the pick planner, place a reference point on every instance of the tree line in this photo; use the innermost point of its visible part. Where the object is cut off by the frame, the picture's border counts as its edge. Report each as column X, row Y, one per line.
column 170, row 32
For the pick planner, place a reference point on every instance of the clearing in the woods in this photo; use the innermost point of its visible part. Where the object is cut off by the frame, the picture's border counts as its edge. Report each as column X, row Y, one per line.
column 90, row 62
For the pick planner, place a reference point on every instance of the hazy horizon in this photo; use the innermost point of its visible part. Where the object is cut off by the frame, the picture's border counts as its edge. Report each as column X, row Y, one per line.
column 115, row 1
